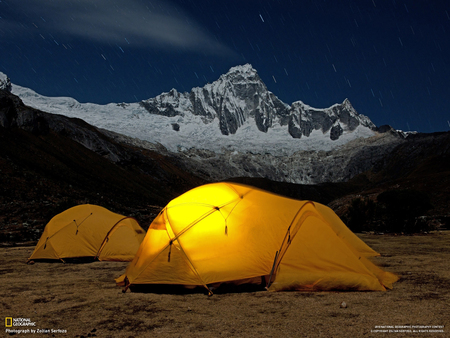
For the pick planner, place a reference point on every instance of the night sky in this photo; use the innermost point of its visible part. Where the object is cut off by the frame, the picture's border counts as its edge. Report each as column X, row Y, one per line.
column 390, row 58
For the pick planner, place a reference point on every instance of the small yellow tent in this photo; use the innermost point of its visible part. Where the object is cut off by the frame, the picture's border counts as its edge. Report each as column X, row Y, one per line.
column 89, row 231
column 231, row 233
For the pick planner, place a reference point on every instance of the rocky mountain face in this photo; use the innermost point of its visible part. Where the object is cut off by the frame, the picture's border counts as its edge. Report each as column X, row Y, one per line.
column 302, row 167
column 304, row 119
column 240, row 95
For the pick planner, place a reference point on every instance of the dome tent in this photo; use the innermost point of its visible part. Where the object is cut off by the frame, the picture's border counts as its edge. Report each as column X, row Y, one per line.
column 89, row 231
column 232, row 233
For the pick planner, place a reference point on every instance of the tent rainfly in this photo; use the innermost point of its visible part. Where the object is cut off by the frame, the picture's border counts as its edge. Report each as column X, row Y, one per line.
column 89, row 231
column 232, row 233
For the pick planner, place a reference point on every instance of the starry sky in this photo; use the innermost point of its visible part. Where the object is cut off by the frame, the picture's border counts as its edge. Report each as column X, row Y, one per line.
column 390, row 58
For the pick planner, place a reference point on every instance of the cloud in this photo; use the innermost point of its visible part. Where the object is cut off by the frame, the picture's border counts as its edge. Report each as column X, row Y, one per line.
column 136, row 23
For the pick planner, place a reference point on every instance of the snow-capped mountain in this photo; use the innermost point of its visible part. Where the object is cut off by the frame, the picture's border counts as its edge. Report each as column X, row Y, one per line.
column 240, row 96
column 236, row 127
column 236, row 112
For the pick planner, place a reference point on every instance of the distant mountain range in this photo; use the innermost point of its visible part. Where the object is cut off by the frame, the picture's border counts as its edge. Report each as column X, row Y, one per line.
column 235, row 127
column 236, row 112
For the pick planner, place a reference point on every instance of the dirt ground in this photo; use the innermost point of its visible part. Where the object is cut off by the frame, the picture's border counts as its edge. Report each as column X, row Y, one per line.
column 82, row 300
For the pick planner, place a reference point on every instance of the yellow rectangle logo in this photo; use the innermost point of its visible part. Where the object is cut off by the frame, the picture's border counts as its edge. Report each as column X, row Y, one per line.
column 8, row 321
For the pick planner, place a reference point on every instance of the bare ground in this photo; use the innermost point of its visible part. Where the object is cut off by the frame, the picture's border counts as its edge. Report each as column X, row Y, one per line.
column 84, row 300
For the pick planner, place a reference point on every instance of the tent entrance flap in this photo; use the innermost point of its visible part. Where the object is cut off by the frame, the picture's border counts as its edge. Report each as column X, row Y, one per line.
column 291, row 232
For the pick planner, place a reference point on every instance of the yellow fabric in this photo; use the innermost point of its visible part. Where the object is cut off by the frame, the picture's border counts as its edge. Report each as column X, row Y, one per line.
column 224, row 232
column 89, row 231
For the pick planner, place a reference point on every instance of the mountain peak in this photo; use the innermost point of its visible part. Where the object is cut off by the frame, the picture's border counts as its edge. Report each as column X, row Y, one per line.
column 246, row 69
column 347, row 105
column 5, row 82
column 241, row 74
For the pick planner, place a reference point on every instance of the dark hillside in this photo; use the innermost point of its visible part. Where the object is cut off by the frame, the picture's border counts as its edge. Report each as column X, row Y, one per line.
column 49, row 163
column 416, row 178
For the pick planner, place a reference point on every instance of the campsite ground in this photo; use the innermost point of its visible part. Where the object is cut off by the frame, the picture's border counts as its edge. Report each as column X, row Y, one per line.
column 83, row 300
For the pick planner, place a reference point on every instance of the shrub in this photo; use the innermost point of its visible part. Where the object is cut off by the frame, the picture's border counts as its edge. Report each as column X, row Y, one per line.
column 401, row 208
column 361, row 214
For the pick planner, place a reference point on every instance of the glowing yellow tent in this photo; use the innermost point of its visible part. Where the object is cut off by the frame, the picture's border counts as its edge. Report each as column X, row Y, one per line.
column 231, row 233
column 89, row 231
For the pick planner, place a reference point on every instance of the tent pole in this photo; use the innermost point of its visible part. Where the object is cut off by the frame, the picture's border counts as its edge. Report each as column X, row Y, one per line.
column 272, row 271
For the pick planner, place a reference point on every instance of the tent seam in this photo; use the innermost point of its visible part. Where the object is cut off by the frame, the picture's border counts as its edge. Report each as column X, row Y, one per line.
column 105, row 240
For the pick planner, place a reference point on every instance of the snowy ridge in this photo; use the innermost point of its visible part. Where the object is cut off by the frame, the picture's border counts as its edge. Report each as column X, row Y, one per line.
column 234, row 113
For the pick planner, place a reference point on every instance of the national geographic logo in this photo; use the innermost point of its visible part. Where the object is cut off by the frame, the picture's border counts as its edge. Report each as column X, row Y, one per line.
column 8, row 322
